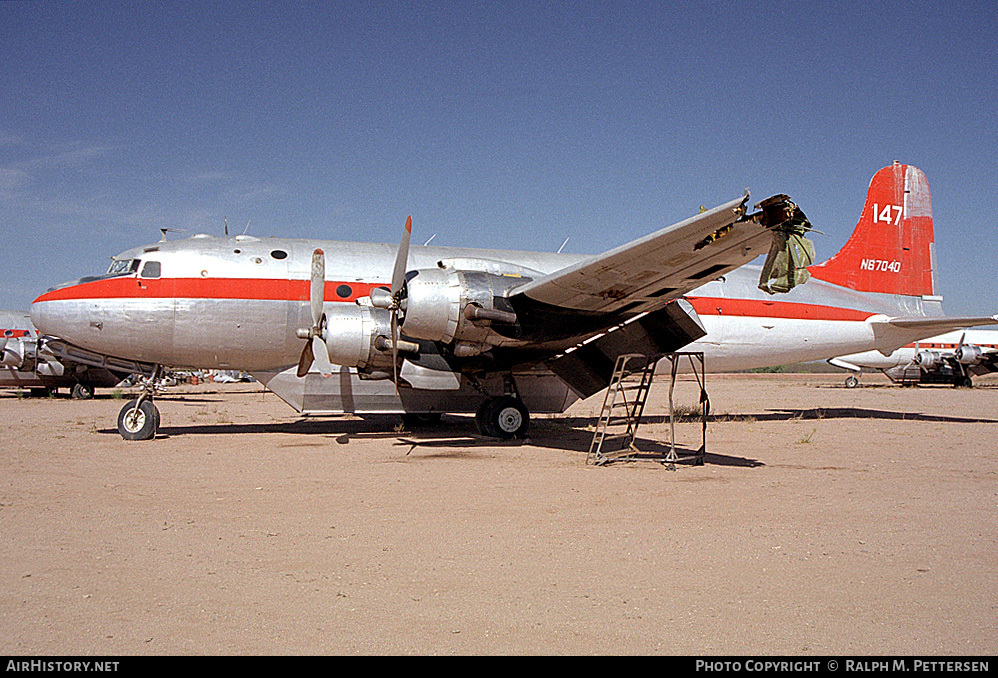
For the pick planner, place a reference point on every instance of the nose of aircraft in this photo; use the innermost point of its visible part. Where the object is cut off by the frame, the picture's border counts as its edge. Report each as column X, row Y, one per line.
column 61, row 313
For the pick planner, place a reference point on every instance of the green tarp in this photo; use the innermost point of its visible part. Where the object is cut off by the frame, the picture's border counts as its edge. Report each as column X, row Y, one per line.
column 789, row 256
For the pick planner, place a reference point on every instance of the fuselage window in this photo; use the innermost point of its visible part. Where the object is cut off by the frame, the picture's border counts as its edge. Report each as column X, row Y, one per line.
column 151, row 269
column 279, row 254
column 344, row 291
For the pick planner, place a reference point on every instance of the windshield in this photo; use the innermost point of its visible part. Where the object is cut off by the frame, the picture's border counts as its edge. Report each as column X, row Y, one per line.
column 123, row 266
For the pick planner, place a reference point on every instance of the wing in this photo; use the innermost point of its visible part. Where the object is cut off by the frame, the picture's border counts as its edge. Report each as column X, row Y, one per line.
column 648, row 273
column 625, row 300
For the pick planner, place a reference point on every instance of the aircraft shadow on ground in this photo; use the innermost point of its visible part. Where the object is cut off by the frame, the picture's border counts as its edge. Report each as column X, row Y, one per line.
column 454, row 433
column 571, row 434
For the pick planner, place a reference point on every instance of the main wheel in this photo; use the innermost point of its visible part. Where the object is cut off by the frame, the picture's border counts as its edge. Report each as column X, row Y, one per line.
column 138, row 421
column 82, row 391
column 505, row 418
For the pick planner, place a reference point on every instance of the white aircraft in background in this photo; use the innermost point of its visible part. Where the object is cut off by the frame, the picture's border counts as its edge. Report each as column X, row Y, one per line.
column 26, row 363
column 950, row 358
column 426, row 330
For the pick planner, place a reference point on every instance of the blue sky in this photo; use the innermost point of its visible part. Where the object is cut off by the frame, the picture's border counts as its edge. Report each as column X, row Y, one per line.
column 495, row 124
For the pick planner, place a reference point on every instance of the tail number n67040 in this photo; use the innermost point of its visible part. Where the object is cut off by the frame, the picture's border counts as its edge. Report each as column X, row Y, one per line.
column 891, row 214
column 880, row 265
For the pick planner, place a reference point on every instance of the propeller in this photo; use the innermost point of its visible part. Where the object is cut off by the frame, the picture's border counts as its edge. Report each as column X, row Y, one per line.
column 315, row 346
column 958, row 354
column 399, row 293
column 395, row 301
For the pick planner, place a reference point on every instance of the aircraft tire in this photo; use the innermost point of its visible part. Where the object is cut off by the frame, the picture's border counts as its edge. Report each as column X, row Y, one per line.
column 852, row 382
column 964, row 382
column 505, row 418
column 138, row 423
column 82, row 391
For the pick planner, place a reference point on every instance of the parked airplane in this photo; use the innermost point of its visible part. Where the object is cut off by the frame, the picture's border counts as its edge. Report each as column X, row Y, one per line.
column 27, row 364
column 950, row 358
column 502, row 333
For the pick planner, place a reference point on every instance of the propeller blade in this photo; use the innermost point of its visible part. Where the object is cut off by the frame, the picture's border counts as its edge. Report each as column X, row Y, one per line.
column 317, row 285
column 395, row 350
column 401, row 260
column 305, row 361
column 321, row 356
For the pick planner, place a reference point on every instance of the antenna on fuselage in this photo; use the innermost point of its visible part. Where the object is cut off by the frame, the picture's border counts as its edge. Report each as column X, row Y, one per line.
column 247, row 227
column 164, row 231
column 563, row 244
column 225, row 221
column 428, row 241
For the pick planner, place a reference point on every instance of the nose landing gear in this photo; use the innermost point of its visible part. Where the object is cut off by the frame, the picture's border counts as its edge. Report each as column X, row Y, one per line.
column 139, row 419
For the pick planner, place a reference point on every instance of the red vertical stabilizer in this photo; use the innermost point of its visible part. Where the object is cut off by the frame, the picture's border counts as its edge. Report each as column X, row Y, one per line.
column 892, row 249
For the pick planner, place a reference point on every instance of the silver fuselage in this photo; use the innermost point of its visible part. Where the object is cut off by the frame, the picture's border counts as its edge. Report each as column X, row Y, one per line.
column 236, row 303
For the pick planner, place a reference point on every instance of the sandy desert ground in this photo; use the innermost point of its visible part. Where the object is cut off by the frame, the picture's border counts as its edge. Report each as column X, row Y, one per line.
column 826, row 520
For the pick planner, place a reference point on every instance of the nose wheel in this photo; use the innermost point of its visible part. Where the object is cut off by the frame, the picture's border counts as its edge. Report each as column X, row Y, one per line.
column 139, row 419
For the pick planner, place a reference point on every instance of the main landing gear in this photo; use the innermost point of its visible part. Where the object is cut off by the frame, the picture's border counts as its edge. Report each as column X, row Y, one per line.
column 505, row 417
column 139, row 419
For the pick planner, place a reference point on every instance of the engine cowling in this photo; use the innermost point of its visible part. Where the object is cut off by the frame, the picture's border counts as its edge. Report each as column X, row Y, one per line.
column 14, row 352
column 358, row 336
column 968, row 354
column 928, row 359
column 457, row 306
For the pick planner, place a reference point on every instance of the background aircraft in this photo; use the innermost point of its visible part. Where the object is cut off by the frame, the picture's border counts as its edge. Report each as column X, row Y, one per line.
column 27, row 364
column 950, row 358
column 499, row 333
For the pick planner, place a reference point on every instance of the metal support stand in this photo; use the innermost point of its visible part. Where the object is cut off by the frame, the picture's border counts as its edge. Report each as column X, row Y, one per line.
column 623, row 407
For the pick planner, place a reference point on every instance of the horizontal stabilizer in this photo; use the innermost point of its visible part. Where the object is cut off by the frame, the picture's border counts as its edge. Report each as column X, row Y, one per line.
column 946, row 322
column 894, row 332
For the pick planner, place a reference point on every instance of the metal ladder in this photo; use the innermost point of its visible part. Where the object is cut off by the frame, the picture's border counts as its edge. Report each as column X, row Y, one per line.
column 624, row 405
column 622, row 408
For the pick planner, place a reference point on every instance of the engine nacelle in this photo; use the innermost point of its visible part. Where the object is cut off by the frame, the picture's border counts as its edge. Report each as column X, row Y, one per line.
column 928, row 359
column 352, row 337
column 968, row 354
column 451, row 305
column 15, row 352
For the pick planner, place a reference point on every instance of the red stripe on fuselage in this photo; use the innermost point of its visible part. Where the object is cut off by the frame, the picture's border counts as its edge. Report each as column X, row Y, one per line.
column 298, row 290
column 760, row 308
column 208, row 288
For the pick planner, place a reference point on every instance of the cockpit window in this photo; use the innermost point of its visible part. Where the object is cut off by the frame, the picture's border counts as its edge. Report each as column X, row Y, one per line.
column 123, row 266
column 151, row 269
